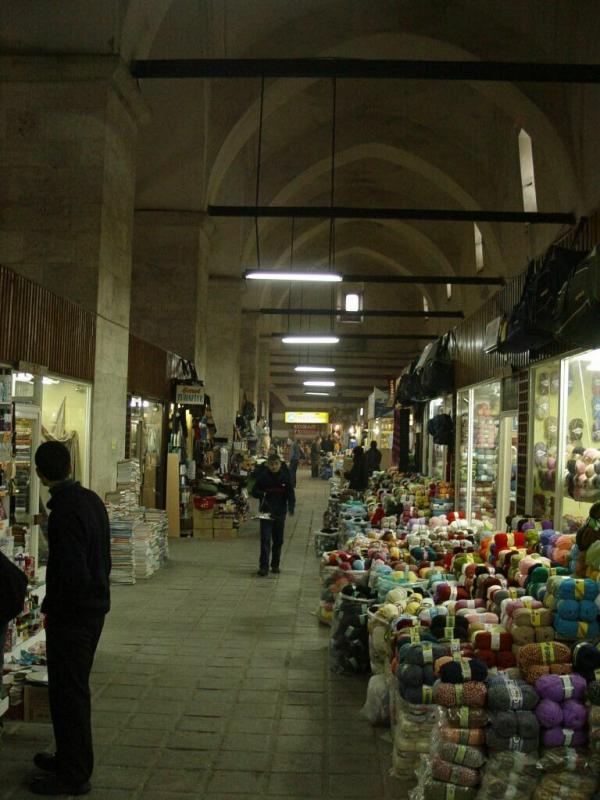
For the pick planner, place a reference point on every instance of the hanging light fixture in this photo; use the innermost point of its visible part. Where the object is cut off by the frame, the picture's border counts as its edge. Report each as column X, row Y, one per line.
column 309, row 277
column 318, row 394
column 314, row 369
column 310, row 339
column 319, row 383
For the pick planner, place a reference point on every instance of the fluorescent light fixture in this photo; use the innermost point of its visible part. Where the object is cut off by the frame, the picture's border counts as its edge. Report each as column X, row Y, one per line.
column 361, row 412
column 310, row 339
column 314, row 369
column 319, row 383
column 315, row 277
column 49, row 381
column 318, row 394
column 24, row 377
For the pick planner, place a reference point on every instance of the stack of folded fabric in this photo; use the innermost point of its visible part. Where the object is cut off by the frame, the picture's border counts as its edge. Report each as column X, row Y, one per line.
column 561, row 711
column 508, row 775
column 575, row 609
column 547, row 658
column 513, row 725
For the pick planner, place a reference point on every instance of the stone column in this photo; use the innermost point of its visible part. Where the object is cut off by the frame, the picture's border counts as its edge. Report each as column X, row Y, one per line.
column 249, row 365
column 264, row 379
column 169, row 282
column 223, row 351
column 67, row 137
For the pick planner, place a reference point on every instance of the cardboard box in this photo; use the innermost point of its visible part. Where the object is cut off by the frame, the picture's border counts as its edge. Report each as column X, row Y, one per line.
column 203, row 518
column 37, row 705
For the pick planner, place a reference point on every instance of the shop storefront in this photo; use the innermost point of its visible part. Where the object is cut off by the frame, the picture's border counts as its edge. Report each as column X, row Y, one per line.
column 486, row 437
column 435, row 456
column 564, row 439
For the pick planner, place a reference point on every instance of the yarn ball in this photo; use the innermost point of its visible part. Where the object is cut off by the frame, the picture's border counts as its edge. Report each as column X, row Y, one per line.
column 358, row 565
column 451, row 773
column 465, row 736
column 495, row 741
column 466, row 755
column 471, row 693
column 586, row 660
column 549, row 714
column 515, row 723
column 559, row 688
column 558, row 737
column 465, row 717
column 456, row 671
column 511, row 695
column 574, row 714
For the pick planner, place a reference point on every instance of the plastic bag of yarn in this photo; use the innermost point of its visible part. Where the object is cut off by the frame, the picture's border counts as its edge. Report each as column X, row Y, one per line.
column 586, row 660
column 431, row 789
column 495, row 741
column 380, row 642
column 564, row 737
column 561, row 687
column 463, row 754
column 377, row 705
column 566, row 786
column 457, row 774
column 412, row 731
column 349, row 640
column 565, row 759
column 535, row 659
column 325, row 540
column 464, row 717
column 471, row 693
column 510, row 695
column 523, row 724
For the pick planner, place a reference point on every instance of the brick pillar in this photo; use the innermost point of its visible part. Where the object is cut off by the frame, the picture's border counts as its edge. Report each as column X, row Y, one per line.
column 67, row 147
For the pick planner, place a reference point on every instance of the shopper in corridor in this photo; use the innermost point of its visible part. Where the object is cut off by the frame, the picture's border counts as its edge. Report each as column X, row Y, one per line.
column 77, row 600
column 373, row 459
column 275, row 491
column 358, row 477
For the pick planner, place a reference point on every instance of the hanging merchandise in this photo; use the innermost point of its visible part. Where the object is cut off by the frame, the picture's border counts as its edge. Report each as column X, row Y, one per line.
column 437, row 372
column 441, row 428
column 409, row 386
column 578, row 306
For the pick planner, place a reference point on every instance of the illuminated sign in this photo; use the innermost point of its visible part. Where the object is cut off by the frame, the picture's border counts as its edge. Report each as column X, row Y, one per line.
column 308, row 417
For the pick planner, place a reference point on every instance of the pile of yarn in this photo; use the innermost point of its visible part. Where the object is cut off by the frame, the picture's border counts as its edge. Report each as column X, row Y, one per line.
column 571, row 785
column 561, row 712
column 457, row 756
column 378, row 626
column 586, row 660
column 411, row 737
column 513, row 725
column 415, row 671
column 508, row 774
column 528, row 621
column 575, row 609
column 349, row 642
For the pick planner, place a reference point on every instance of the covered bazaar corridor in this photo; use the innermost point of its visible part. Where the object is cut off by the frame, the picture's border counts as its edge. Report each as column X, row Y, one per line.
column 213, row 683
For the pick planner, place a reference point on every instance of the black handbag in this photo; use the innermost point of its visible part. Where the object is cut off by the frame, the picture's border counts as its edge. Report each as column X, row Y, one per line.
column 437, row 375
column 409, row 386
column 577, row 317
column 13, row 587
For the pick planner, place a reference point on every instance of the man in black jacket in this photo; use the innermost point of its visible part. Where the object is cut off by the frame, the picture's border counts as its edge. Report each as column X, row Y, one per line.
column 274, row 489
column 77, row 600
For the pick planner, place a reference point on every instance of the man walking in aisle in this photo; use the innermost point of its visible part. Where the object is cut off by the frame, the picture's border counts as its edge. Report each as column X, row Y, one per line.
column 274, row 489
column 315, row 455
column 77, row 600
column 296, row 453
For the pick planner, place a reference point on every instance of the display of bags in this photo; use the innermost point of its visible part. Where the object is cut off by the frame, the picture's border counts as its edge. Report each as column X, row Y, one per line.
column 437, row 374
column 409, row 386
column 578, row 306
column 441, row 427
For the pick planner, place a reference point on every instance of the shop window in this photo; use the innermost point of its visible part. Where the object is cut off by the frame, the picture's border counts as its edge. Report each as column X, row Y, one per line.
column 352, row 305
column 352, row 302
column 479, row 263
column 527, row 172
column 580, row 429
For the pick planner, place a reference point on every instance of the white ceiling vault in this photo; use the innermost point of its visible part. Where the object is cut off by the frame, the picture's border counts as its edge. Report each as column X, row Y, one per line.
column 399, row 143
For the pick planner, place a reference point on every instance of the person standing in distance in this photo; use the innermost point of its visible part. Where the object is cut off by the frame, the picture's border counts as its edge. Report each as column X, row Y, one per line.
column 373, row 458
column 274, row 489
column 77, row 600
column 296, row 453
column 315, row 455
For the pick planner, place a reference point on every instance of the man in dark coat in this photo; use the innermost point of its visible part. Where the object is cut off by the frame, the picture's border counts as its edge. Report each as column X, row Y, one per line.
column 373, row 458
column 77, row 600
column 358, row 478
column 274, row 489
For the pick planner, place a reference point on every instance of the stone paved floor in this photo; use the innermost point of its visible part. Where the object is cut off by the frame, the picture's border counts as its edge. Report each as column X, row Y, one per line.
column 212, row 683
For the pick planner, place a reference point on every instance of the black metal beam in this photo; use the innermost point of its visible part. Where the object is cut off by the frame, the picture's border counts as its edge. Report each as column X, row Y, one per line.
column 344, row 336
column 372, row 69
column 326, row 312
column 428, row 214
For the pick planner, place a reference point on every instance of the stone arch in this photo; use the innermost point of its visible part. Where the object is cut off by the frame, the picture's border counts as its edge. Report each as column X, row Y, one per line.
column 141, row 25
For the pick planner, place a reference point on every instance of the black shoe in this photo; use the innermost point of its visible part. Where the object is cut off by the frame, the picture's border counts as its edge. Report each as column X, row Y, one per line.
column 262, row 572
column 275, row 570
column 52, row 785
column 46, row 762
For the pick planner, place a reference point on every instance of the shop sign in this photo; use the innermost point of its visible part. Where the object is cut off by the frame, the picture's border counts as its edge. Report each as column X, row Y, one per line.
column 308, row 417
column 190, row 394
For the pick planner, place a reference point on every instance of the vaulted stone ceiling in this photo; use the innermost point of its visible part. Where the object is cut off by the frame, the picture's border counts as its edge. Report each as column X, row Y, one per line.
column 427, row 144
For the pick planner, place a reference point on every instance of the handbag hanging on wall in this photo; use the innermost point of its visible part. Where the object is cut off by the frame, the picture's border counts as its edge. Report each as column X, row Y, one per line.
column 409, row 386
column 437, row 375
column 577, row 318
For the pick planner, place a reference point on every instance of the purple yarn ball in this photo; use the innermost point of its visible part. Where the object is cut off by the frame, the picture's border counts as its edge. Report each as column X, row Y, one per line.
column 547, row 525
column 558, row 737
column 574, row 714
column 549, row 714
column 561, row 687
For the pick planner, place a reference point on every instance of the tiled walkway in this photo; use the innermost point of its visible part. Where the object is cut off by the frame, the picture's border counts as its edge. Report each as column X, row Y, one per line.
column 213, row 683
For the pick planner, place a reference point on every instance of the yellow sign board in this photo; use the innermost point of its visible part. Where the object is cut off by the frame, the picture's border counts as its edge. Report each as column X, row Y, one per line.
column 308, row 417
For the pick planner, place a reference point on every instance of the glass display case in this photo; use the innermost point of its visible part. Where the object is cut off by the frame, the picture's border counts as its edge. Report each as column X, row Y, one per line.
column 435, row 456
column 544, row 389
column 579, row 432
column 478, row 421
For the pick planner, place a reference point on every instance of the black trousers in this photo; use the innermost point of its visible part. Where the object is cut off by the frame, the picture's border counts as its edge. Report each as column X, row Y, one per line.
column 293, row 471
column 314, row 469
column 70, row 649
column 271, row 542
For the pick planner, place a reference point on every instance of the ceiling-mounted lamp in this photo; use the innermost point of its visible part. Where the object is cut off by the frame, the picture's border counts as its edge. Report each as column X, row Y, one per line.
column 318, row 394
column 308, row 277
column 314, row 369
column 310, row 339
column 319, row 383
